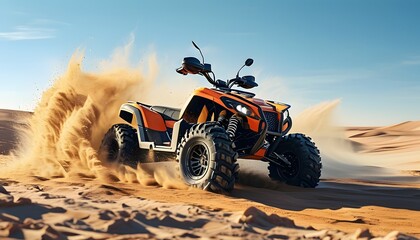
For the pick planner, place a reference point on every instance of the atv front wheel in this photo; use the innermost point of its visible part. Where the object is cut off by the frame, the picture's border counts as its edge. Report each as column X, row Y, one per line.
column 305, row 165
column 206, row 158
column 120, row 145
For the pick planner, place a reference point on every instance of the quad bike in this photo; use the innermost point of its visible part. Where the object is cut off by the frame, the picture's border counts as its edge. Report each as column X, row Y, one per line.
column 215, row 127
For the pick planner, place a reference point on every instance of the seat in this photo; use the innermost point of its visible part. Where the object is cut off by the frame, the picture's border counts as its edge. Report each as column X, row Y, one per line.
column 167, row 113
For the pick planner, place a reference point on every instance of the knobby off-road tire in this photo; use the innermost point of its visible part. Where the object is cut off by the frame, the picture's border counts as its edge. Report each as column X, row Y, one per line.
column 120, row 145
column 304, row 156
column 206, row 158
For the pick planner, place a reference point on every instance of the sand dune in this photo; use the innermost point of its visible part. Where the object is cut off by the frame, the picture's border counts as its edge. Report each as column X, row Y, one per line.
column 400, row 137
column 35, row 207
column 396, row 146
column 9, row 120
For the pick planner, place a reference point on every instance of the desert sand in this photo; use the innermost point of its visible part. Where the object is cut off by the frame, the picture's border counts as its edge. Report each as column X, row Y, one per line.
column 54, row 186
column 35, row 207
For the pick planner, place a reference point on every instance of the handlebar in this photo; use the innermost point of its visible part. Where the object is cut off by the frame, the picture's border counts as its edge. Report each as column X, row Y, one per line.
column 191, row 65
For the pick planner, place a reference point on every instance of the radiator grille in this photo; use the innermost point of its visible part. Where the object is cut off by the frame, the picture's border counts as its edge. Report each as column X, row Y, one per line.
column 272, row 121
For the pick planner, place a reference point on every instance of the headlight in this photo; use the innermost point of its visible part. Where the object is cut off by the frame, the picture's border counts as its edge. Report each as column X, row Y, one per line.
column 244, row 110
column 285, row 114
column 239, row 107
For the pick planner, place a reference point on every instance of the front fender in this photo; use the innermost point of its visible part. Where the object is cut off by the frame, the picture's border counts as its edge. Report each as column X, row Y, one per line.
column 283, row 108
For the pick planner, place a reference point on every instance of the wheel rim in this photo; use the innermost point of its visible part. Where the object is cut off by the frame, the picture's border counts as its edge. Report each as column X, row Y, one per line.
column 113, row 150
column 292, row 170
column 197, row 162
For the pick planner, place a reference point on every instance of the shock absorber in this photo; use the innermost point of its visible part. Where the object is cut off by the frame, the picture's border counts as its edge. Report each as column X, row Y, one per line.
column 233, row 126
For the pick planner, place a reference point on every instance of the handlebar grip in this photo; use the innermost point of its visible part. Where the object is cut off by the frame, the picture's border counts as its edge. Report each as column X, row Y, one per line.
column 181, row 70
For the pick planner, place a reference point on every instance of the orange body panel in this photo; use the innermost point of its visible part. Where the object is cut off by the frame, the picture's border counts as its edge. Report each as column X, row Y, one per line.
column 285, row 126
column 279, row 107
column 151, row 120
column 169, row 123
column 254, row 124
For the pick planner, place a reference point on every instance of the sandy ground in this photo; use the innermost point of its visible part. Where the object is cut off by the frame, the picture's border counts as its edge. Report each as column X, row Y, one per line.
column 35, row 207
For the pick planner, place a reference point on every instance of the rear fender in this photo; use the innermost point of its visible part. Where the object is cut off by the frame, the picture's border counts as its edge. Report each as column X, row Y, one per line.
column 147, row 121
column 144, row 120
column 131, row 113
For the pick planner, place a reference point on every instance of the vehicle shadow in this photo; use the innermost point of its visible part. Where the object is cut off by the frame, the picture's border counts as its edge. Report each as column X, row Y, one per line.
column 330, row 194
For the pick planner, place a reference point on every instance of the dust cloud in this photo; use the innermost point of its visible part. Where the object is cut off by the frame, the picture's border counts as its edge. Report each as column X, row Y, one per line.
column 340, row 157
column 63, row 135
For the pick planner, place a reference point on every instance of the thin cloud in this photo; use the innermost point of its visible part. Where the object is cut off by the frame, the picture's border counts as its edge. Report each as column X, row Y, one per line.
column 39, row 28
column 27, row 33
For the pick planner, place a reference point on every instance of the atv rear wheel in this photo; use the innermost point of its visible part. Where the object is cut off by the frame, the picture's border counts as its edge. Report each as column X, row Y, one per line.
column 305, row 162
column 120, row 145
column 206, row 158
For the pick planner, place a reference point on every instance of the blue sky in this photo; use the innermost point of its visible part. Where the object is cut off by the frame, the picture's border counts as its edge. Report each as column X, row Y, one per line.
column 366, row 53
